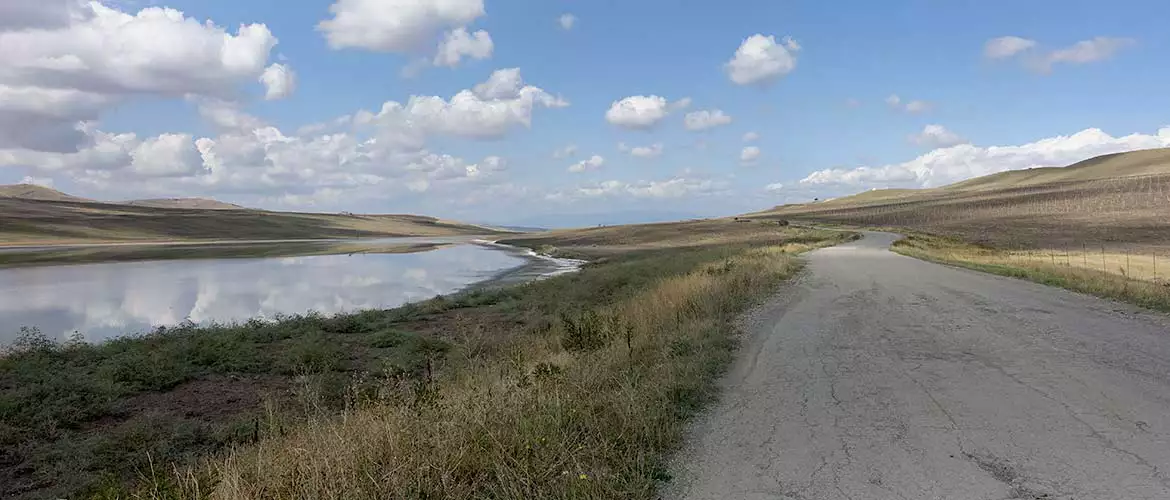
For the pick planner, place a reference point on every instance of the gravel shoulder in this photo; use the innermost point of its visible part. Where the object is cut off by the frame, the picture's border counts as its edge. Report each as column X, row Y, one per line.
column 880, row 376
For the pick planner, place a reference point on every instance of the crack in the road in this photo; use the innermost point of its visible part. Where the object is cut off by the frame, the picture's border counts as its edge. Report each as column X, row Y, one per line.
column 1093, row 432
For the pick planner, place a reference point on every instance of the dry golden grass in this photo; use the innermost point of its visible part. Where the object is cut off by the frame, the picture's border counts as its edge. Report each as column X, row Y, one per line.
column 1072, row 271
column 1120, row 202
column 583, row 405
column 607, row 240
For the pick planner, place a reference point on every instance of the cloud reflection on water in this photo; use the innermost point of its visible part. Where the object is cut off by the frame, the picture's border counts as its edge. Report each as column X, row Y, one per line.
column 106, row 300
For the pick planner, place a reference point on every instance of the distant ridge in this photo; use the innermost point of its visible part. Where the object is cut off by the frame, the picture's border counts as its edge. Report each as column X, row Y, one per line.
column 1142, row 162
column 35, row 192
column 191, row 203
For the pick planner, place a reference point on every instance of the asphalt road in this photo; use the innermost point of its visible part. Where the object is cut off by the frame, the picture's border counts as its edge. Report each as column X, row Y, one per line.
column 878, row 376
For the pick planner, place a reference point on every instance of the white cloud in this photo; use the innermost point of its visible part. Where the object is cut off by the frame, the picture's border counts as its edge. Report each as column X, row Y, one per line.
column 489, row 111
column 166, row 155
column 680, row 104
column 703, row 120
column 567, row 21
column 1083, row 52
column 652, row 151
column 1006, row 46
column 364, row 156
column 459, row 43
column 395, row 25
column 936, row 136
column 565, row 152
column 760, row 60
column 774, row 187
column 915, row 107
column 749, row 154
column 24, row 14
column 1087, row 51
column 638, row 112
column 279, row 82
column 592, row 163
column 751, row 137
column 956, row 163
column 46, row 182
column 676, row 187
column 65, row 72
column 918, row 107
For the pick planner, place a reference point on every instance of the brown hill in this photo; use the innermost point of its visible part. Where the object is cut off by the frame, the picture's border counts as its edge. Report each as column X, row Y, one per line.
column 193, row 203
column 37, row 215
column 1110, row 198
column 35, row 192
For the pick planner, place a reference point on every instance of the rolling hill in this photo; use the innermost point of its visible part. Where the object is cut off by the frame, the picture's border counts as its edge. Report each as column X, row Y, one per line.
column 197, row 203
column 33, row 215
column 1102, row 200
column 35, row 192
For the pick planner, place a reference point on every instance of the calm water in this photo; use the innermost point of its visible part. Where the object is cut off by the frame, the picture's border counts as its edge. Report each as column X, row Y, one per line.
column 109, row 299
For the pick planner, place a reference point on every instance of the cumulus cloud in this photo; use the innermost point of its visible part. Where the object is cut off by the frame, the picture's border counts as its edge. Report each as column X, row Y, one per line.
column 703, row 120
column 641, row 112
column 25, row 14
column 592, row 163
column 395, row 25
column 751, row 137
column 63, row 72
column 914, row 107
column 279, row 82
column 761, row 60
column 567, row 21
column 458, row 44
column 1006, row 46
column 368, row 155
column 489, row 111
column 936, row 136
column 676, row 187
column 749, row 154
column 960, row 162
column 651, row 151
column 1083, row 52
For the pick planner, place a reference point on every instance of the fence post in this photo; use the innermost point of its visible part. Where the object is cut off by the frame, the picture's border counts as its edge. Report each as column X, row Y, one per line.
column 1127, row 262
column 1085, row 253
column 1103, row 268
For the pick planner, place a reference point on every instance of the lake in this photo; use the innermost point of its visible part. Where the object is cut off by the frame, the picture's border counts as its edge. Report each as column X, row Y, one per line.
column 107, row 299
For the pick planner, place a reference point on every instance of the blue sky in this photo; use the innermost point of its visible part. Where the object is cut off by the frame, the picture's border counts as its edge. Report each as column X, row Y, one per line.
column 1077, row 79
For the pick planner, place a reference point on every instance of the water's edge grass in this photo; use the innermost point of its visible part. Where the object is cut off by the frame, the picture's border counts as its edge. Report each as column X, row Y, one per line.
column 575, row 386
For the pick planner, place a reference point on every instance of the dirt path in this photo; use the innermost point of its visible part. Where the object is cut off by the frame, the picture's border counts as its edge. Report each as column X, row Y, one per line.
column 879, row 376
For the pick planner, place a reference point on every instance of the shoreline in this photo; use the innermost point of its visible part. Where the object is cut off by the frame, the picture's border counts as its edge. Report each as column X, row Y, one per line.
column 531, row 268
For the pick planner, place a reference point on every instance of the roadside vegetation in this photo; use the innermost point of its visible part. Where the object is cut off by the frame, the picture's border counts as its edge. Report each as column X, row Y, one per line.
column 575, row 386
column 1103, row 275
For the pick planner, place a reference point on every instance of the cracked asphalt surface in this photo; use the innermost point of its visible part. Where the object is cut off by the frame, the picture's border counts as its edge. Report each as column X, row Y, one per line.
column 879, row 376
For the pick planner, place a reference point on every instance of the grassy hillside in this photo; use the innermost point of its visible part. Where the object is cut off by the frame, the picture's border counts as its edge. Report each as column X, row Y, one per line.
column 1109, row 200
column 35, row 192
column 25, row 221
column 573, row 387
column 202, row 203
